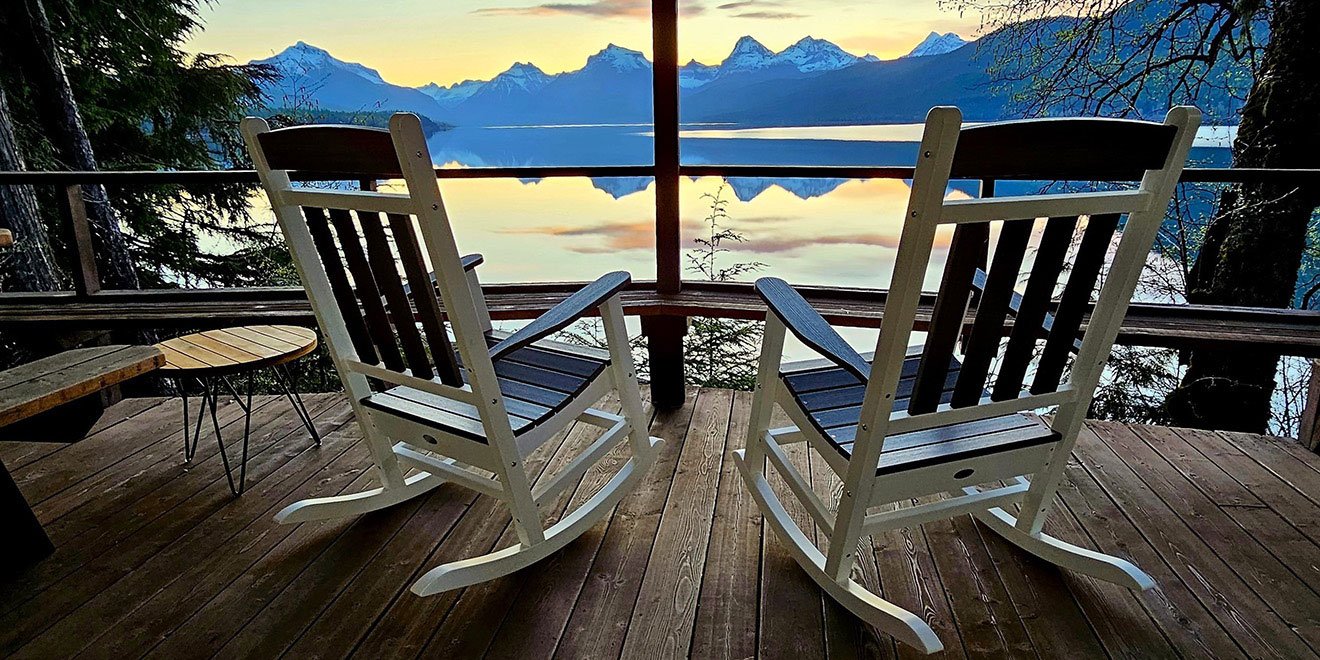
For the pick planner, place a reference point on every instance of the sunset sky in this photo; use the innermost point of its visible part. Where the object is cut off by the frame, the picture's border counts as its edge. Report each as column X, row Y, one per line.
column 413, row 42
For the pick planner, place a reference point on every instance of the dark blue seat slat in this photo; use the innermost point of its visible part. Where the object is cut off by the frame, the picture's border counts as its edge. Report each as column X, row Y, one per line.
column 831, row 397
column 536, row 383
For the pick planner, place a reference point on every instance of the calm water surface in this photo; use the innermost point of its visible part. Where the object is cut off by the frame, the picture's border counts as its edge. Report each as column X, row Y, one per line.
column 818, row 231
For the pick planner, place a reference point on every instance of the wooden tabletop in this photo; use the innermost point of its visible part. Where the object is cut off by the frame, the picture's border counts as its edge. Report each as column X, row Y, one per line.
column 38, row 386
column 235, row 350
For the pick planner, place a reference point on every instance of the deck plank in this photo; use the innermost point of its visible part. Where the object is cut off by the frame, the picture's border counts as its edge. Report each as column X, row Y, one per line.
column 1289, row 596
column 846, row 636
column 546, row 596
column 666, row 610
column 599, row 622
column 726, row 623
column 158, row 561
column 488, row 602
column 493, row 601
column 1054, row 622
column 142, row 530
column 982, row 609
column 1129, row 624
column 16, row 455
column 1201, row 567
column 161, row 595
column 792, row 624
column 1276, row 533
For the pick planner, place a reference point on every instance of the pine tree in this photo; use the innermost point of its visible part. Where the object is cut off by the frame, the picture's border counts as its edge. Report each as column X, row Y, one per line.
column 145, row 104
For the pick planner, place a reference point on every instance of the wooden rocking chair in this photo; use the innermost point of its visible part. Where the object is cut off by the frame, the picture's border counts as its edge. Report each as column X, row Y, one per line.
column 911, row 422
column 453, row 419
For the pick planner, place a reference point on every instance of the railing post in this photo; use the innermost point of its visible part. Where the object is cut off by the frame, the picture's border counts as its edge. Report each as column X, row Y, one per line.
column 73, row 210
column 665, row 333
column 1308, row 431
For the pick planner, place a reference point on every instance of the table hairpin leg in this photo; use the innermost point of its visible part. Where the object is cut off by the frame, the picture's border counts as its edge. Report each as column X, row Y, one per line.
column 295, row 400
column 247, row 429
column 190, row 449
column 209, row 402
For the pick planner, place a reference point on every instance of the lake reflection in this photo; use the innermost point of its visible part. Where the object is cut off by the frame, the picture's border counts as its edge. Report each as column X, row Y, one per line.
column 808, row 231
column 566, row 229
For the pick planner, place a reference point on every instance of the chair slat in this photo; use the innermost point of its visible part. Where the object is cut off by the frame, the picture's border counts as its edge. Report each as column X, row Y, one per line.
column 339, row 284
column 423, row 295
column 947, row 317
column 377, row 322
column 386, row 271
column 1076, row 296
column 988, row 328
column 1050, row 253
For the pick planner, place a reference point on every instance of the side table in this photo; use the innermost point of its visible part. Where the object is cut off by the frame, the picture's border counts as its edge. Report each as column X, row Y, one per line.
column 213, row 356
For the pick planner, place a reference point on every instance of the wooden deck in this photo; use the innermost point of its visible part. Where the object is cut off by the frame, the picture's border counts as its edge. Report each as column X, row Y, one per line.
column 156, row 559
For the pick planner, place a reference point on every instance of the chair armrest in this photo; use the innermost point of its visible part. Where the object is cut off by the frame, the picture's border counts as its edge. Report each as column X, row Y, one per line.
column 570, row 309
column 810, row 327
column 1015, row 304
column 470, row 261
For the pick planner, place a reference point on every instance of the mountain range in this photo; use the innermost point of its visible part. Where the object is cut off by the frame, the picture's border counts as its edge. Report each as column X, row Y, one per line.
column 614, row 85
column 812, row 82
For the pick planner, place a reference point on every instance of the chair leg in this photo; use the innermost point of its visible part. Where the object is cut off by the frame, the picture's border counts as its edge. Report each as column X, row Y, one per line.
column 884, row 615
column 623, row 373
column 1063, row 554
column 763, row 398
column 465, row 572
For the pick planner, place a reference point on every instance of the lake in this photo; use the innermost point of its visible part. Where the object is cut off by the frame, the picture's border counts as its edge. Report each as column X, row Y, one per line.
column 809, row 231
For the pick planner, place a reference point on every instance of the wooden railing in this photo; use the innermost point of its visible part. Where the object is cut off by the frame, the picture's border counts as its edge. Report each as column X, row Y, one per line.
column 663, row 304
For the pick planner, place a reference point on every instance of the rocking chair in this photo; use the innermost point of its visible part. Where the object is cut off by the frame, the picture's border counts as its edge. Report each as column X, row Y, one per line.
column 466, row 411
column 905, row 423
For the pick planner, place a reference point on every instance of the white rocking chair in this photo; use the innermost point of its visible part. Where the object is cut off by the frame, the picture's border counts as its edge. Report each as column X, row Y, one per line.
column 447, row 417
column 907, row 423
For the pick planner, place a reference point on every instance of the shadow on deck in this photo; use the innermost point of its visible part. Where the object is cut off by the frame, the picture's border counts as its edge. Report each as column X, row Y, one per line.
column 155, row 559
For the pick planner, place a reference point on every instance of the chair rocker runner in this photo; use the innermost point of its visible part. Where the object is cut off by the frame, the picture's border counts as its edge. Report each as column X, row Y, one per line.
column 466, row 411
column 907, row 423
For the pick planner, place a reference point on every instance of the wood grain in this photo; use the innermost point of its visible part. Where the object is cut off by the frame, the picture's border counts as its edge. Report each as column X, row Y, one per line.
column 167, row 563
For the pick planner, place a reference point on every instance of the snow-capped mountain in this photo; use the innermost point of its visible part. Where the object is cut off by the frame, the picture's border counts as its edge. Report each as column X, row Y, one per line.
column 696, row 74
column 452, row 95
column 302, row 58
column 747, row 55
column 617, row 58
column 938, row 44
column 522, row 76
column 812, row 54
column 311, row 76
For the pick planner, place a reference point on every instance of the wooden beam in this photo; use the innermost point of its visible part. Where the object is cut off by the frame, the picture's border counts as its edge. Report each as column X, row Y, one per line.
column 1308, row 429
column 1286, row 331
column 73, row 210
column 665, row 336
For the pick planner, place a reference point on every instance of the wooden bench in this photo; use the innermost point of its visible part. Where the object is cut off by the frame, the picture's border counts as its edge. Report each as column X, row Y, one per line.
column 55, row 399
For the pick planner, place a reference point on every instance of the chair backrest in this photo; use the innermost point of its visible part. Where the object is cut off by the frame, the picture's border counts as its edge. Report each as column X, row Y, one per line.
column 349, row 256
column 1049, row 150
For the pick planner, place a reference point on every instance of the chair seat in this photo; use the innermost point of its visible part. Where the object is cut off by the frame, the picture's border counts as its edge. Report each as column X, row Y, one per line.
column 832, row 399
column 537, row 382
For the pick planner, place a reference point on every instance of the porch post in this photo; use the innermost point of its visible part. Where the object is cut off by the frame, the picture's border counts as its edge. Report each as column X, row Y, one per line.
column 1308, row 430
column 665, row 333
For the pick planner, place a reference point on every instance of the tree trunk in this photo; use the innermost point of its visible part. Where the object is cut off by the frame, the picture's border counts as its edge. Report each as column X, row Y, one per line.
column 1253, row 247
column 29, row 45
column 29, row 264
